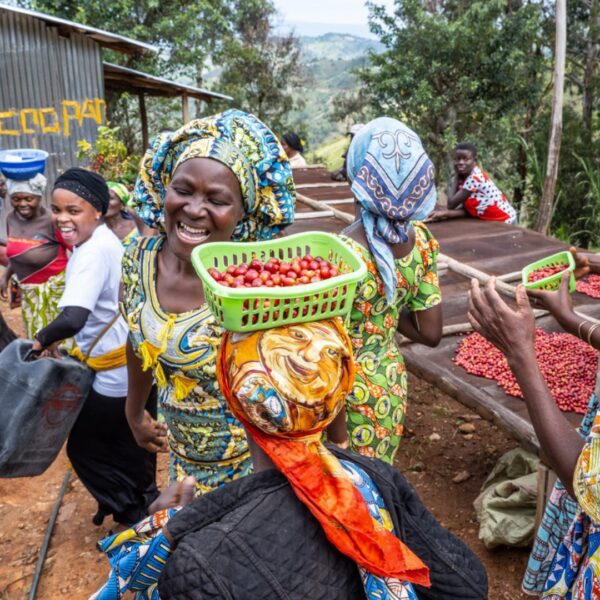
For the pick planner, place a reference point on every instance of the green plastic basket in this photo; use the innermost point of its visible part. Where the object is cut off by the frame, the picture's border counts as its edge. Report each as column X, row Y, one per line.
column 252, row 309
column 553, row 282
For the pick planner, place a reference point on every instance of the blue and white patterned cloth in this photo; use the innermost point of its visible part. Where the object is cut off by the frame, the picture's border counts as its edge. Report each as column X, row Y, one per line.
column 393, row 180
column 137, row 557
column 559, row 514
column 376, row 587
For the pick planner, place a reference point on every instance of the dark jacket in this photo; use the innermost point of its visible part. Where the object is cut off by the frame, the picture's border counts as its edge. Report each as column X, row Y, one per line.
column 253, row 539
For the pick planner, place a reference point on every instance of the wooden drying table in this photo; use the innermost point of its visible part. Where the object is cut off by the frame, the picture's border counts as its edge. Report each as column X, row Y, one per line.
column 493, row 248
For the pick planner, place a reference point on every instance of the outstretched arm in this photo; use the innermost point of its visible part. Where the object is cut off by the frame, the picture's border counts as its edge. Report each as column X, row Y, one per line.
column 513, row 332
column 445, row 214
column 560, row 304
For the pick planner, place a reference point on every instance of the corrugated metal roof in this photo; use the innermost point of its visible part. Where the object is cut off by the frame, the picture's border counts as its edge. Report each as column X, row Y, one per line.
column 104, row 38
column 123, row 79
column 52, row 91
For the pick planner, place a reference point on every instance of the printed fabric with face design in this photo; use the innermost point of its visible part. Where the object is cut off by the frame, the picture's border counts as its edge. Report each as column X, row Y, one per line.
column 27, row 206
column 74, row 217
column 203, row 204
column 289, row 380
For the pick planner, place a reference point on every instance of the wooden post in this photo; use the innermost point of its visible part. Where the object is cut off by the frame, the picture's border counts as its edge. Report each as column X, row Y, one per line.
column 144, row 119
column 185, row 108
column 547, row 202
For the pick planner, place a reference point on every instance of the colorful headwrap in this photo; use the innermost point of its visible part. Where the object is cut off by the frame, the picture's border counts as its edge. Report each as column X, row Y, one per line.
column 393, row 180
column 121, row 191
column 245, row 145
column 286, row 385
column 34, row 186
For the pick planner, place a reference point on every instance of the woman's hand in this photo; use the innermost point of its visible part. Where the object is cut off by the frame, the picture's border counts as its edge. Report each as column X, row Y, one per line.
column 511, row 331
column 559, row 302
column 582, row 263
column 149, row 433
column 4, row 286
column 178, row 493
column 51, row 351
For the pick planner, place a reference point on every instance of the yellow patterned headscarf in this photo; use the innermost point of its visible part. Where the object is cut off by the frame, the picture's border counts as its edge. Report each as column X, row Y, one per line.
column 242, row 143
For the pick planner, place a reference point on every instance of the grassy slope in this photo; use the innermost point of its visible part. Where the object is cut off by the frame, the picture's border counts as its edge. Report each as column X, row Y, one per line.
column 330, row 153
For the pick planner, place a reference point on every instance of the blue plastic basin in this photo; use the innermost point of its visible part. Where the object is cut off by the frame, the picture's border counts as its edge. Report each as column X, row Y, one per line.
column 22, row 164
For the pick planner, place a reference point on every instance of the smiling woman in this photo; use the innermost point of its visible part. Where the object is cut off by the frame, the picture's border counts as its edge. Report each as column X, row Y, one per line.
column 220, row 178
column 37, row 254
column 101, row 447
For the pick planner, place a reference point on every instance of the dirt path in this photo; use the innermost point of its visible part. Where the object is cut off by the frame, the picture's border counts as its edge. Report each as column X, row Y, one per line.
column 74, row 568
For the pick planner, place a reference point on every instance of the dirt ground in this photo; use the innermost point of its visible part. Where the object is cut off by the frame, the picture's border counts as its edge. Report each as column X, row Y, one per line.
column 74, row 568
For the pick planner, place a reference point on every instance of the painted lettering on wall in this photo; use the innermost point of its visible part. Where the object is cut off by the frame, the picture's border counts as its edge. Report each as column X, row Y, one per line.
column 60, row 120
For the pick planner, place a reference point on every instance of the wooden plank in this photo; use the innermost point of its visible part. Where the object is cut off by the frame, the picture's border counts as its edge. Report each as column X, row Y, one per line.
column 185, row 108
column 144, row 120
column 315, row 214
column 333, row 184
column 336, row 202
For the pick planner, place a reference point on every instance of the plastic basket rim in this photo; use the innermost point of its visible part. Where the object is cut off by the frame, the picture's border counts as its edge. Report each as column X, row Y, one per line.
column 279, row 292
column 527, row 269
column 42, row 154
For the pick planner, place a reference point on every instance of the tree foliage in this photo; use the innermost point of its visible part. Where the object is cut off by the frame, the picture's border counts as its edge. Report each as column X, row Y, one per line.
column 235, row 36
column 262, row 71
column 481, row 71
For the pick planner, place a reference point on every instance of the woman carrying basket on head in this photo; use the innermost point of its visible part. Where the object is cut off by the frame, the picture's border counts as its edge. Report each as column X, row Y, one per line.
column 221, row 178
column 37, row 254
column 115, row 470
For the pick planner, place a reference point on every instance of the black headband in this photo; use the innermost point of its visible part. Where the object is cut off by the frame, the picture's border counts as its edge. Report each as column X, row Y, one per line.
column 87, row 185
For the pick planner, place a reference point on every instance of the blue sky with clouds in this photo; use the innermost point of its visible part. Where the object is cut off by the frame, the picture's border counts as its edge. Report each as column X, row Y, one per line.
column 315, row 17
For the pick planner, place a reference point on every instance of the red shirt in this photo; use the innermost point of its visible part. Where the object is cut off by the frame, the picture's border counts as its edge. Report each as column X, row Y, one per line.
column 485, row 200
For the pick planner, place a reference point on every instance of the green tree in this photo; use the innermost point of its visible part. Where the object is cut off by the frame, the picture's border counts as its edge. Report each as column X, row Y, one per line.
column 261, row 70
column 187, row 35
column 457, row 70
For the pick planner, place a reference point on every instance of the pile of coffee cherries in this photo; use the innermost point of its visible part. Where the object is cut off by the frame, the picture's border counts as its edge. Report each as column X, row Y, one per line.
column 276, row 273
column 544, row 272
column 589, row 285
column 567, row 364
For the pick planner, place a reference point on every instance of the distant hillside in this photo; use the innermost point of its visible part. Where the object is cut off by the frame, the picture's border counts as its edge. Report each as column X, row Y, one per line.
column 329, row 60
column 335, row 46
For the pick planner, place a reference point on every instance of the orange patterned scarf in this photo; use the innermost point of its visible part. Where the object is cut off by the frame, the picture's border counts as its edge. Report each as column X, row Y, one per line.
column 290, row 435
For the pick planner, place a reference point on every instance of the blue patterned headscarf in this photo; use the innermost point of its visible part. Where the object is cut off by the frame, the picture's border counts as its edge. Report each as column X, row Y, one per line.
column 241, row 142
column 393, row 181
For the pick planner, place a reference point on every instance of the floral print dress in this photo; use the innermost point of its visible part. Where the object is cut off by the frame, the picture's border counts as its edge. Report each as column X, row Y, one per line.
column 377, row 405
column 575, row 571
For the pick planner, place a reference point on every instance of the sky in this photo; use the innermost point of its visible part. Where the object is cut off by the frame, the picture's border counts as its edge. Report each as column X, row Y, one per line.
column 316, row 17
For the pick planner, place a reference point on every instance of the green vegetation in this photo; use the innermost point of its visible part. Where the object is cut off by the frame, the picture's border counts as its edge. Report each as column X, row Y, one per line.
column 330, row 154
column 453, row 70
column 456, row 70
